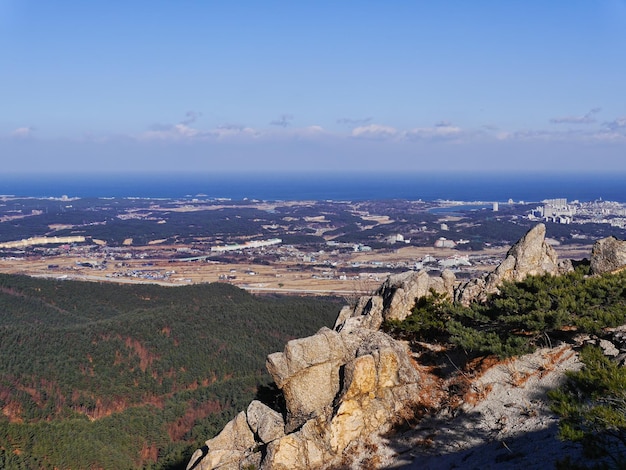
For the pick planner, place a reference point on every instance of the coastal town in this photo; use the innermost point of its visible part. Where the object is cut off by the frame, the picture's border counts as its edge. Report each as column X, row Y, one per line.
column 305, row 247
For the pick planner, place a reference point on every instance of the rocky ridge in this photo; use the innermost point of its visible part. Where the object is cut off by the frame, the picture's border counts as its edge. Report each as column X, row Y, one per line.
column 531, row 255
column 347, row 389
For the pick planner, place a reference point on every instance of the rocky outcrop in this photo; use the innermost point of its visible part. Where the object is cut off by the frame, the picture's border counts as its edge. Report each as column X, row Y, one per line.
column 531, row 255
column 607, row 255
column 230, row 449
column 308, row 374
column 340, row 388
column 394, row 299
column 344, row 388
column 265, row 423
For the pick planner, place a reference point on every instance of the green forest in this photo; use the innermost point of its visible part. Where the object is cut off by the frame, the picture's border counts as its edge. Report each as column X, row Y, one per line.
column 100, row 375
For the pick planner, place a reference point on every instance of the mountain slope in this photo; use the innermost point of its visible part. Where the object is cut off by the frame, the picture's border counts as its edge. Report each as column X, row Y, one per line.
column 130, row 376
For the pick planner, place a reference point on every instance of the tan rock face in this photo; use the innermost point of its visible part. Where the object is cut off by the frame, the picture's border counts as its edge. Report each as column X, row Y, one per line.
column 347, row 425
column 394, row 299
column 399, row 291
column 310, row 393
column 308, row 374
column 366, row 313
column 360, row 377
column 339, row 388
column 299, row 354
column 236, row 435
column 608, row 254
column 228, row 448
column 264, row 422
column 388, row 368
column 287, row 453
column 531, row 255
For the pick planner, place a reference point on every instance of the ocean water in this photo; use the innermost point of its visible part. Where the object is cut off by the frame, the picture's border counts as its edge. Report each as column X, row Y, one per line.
column 338, row 187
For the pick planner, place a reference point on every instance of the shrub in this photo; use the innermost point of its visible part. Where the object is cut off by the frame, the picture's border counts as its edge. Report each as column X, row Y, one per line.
column 592, row 407
column 522, row 315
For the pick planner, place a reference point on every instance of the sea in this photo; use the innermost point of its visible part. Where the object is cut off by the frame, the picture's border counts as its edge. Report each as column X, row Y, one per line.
column 492, row 187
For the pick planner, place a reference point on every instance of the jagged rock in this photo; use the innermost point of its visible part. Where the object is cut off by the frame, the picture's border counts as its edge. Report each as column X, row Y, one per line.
column 303, row 449
column 302, row 353
column 449, row 282
column 399, row 291
column 472, row 290
column 531, row 255
column 339, row 388
column 228, row 449
column 394, row 299
column 266, row 423
column 608, row 255
column 377, row 382
column 310, row 393
column 565, row 266
column 308, row 374
column 366, row 313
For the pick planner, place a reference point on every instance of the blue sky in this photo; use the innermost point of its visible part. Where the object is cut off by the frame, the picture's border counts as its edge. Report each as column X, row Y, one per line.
column 282, row 86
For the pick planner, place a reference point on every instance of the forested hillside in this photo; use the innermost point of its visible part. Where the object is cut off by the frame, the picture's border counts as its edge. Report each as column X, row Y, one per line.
column 132, row 376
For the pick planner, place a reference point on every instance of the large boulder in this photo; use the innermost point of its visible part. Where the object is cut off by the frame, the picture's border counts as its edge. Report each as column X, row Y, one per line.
column 229, row 449
column 399, row 291
column 307, row 372
column 394, row 299
column 530, row 256
column 264, row 422
column 608, row 254
column 340, row 389
column 367, row 312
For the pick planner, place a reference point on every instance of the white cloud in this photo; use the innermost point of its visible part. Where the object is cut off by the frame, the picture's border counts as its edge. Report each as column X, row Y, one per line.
column 502, row 135
column 536, row 135
column 175, row 132
column 614, row 131
column 310, row 130
column 184, row 130
column 181, row 132
column 608, row 136
column 441, row 130
column 22, row 132
column 374, row 131
column 611, row 133
column 231, row 130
